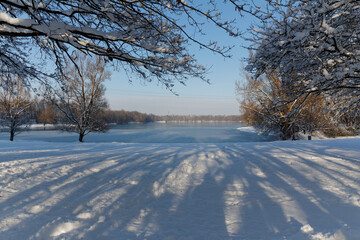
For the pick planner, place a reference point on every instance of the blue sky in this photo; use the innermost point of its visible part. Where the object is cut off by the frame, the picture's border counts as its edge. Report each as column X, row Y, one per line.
column 197, row 97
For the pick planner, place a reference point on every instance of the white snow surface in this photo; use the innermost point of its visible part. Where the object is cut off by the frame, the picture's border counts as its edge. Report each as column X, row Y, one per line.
column 247, row 129
column 270, row 190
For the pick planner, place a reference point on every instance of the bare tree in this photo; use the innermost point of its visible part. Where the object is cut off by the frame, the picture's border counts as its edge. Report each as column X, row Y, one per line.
column 80, row 98
column 15, row 102
column 47, row 114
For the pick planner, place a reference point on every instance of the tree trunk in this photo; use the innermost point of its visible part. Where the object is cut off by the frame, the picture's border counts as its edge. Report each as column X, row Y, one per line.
column 81, row 137
column 12, row 134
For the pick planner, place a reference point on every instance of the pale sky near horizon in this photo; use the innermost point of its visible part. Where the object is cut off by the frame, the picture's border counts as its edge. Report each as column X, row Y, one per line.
column 197, row 97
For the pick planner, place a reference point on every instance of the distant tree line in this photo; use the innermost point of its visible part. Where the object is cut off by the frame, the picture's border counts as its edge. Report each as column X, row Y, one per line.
column 198, row 118
column 46, row 113
column 123, row 117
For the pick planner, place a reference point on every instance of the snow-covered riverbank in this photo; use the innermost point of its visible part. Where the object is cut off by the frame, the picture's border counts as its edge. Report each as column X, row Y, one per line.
column 265, row 190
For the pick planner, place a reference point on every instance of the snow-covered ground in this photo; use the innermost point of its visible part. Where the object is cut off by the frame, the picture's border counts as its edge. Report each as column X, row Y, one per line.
column 267, row 190
column 40, row 126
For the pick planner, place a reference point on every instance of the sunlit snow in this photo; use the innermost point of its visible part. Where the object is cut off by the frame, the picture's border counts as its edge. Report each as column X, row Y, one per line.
column 265, row 190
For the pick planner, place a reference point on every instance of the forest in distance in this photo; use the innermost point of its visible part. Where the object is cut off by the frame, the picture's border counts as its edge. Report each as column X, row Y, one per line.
column 124, row 117
column 44, row 113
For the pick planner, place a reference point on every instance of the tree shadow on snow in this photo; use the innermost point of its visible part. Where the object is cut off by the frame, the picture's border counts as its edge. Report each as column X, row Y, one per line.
column 180, row 191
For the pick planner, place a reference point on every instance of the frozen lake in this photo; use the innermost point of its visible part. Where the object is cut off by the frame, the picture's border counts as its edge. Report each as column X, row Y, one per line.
column 155, row 133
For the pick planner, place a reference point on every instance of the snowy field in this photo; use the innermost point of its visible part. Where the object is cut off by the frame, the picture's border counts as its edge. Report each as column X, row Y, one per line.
column 265, row 190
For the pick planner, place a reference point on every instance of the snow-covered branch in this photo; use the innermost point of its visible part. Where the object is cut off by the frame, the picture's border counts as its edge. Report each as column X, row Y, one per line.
column 314, row 45
column 150, row 37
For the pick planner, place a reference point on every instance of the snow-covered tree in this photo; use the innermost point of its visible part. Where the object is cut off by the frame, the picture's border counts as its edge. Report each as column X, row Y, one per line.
column 261, row 108
column 259, row 104
column 15, row 102
column 314, row 45
column 150, row 38
column 80, row 97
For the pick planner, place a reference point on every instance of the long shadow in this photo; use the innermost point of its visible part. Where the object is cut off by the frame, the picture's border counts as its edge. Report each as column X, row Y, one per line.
column 177, row 191
column 84, row 187
column 162, row 215
column 327, row 166
column 319, row 208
